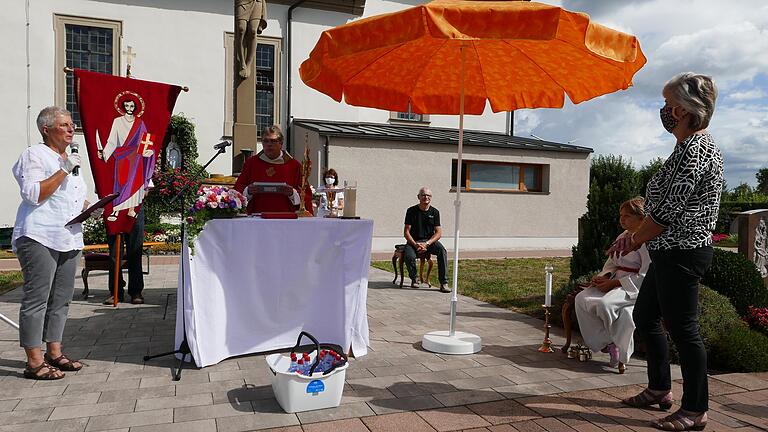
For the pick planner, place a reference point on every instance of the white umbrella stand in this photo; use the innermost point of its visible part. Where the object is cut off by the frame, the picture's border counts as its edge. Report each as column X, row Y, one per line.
column 452, row 341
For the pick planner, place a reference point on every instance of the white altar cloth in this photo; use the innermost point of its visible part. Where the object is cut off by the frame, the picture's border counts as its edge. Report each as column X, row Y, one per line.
column 253, row 284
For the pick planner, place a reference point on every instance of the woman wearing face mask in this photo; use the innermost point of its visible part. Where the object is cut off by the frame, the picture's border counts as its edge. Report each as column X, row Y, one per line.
column 682, row 202
column 331, row 191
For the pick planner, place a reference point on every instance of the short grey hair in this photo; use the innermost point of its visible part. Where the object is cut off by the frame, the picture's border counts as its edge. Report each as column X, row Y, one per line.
column 273, row 130
column 696, row 94
column 424, row 189
column 47, row 117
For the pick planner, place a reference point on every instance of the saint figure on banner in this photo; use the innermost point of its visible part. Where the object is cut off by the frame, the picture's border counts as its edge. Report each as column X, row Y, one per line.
column 132, row 148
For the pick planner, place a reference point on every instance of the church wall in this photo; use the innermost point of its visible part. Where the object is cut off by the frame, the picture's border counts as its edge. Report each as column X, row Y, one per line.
column 175, row 41
column 388, row 186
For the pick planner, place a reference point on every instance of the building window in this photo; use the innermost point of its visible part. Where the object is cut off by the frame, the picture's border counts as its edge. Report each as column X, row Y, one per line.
column 408, row 116
column 267, row 59
column 499, row 176
column 84, row 43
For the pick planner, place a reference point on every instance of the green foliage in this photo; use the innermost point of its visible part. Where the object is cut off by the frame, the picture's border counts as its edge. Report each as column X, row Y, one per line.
column 168, row 181
column 731, row 345
column 184, row 132
column 762, row 180
column 612, row 181
column 645, row 173
column 734, row 276
column 10, row 280
column 741, row 350
column 94, row 231
column 717, row 316
column 729, row 211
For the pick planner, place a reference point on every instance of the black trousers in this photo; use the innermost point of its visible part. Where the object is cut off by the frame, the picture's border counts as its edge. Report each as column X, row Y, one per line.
column 438, row 250
column 670, row 291
column 132, row 245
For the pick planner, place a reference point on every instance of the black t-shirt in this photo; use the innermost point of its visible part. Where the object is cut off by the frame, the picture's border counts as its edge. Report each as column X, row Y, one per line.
column 422, row 223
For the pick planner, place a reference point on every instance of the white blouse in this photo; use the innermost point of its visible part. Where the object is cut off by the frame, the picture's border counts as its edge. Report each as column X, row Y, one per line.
column 44, row 221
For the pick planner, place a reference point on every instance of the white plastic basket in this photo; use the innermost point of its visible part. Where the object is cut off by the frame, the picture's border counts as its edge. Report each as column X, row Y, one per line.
column 295, row 392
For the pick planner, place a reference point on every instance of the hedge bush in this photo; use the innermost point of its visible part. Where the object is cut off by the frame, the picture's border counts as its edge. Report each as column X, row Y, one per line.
column 731, row 345
column 740, row 350
column 737, row 278
column 612, row 180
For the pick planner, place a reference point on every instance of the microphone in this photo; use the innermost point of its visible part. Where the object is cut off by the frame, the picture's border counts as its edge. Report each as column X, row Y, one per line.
column 74, row 149
column 222, row 145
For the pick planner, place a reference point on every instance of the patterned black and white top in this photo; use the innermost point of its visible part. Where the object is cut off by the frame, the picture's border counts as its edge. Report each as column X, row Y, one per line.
column 684, row 196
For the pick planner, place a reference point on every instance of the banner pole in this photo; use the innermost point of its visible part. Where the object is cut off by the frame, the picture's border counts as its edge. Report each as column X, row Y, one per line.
column 118, row 248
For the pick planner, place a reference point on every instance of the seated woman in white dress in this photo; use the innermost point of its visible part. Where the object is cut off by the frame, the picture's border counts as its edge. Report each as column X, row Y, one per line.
column 604, row 309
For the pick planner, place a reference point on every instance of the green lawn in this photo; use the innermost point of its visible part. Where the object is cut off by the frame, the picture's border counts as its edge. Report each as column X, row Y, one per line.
column 9, row 280
column 512, row 283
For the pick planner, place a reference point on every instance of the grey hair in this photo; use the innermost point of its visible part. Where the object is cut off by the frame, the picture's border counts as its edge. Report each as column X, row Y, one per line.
column 273, row 130
column 47, row 117
column 424, row 189
column 696, row 94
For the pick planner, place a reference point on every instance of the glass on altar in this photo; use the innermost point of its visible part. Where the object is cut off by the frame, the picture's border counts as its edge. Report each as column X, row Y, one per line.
column 350, row 199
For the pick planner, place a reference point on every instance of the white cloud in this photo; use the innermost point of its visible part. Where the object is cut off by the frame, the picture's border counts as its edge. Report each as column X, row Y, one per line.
column 746, row 95
column 728, row 41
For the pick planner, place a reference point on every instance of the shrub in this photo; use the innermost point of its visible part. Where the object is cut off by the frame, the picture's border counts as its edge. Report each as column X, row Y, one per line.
column 717, row 316
column 737, row 278
column 741, row 350
column 94, row 231
column 612, row 180
column 758, row 319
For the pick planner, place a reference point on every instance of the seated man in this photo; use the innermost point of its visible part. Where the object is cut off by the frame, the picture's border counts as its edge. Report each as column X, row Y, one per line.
column 272, row 165
column 422, row 232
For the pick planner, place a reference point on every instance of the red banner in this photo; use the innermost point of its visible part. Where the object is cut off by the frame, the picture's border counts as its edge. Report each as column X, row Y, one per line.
column 124, row 121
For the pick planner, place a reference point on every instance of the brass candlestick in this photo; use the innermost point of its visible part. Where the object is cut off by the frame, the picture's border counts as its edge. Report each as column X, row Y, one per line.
column 546, row 345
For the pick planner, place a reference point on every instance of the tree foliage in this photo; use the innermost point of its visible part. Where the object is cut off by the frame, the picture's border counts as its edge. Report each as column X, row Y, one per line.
column 612, row 180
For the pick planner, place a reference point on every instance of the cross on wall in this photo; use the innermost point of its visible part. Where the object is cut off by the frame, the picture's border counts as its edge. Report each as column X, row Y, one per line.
column 129, row 55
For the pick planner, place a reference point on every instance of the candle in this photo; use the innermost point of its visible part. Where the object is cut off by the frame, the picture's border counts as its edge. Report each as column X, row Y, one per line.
column 548, row 285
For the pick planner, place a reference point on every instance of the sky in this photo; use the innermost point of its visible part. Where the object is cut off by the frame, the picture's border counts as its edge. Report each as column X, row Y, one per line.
column 726, row 40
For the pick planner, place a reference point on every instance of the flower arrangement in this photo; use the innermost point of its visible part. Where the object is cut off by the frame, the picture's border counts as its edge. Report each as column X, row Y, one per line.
column 719, row 237
column 758, row 318
column 213, row 202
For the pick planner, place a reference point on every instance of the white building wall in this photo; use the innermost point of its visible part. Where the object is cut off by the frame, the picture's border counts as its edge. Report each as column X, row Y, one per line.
column 176, row 41
column 389, row 175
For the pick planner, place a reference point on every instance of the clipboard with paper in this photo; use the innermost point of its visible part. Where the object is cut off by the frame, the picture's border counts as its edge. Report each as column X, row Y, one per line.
column 93, row 207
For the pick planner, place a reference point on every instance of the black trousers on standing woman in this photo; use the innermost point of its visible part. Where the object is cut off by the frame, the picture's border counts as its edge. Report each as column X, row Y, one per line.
column 670, row 291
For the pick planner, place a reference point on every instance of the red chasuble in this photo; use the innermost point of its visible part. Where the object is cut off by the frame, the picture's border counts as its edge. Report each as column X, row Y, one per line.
column 259, row 170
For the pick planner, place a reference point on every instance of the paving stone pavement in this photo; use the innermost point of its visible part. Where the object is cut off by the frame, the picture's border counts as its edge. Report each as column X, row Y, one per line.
column 509, row 386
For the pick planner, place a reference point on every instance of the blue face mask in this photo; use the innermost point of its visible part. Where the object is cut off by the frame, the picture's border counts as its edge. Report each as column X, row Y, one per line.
column 667, row 120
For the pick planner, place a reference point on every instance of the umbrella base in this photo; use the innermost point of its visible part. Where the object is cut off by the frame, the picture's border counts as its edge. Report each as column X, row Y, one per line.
column 460, row 343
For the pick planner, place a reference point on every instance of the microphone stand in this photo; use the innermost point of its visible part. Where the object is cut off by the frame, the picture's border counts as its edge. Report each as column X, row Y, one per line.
column 183, row 348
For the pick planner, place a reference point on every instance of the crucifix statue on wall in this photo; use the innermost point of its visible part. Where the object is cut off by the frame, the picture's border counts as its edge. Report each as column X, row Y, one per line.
column 129, row 55
column 250, row 20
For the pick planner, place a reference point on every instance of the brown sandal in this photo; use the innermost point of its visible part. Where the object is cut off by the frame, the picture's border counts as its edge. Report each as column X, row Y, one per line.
column 680, row 421
column 647, row 398
column 63, row 362
column 50, row 375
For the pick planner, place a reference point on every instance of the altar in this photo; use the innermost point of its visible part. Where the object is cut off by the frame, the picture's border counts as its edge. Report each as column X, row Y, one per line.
column 253, row 284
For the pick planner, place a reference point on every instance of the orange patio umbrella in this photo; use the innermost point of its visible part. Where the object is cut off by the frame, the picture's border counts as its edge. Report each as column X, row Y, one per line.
column 451, row 56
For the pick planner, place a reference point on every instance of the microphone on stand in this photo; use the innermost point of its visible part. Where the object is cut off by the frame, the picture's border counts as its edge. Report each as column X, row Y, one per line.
column 222, row 145
column 74, row 149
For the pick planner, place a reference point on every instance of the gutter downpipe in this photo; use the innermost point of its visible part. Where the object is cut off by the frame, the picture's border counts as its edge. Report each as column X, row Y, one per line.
column 290, row 68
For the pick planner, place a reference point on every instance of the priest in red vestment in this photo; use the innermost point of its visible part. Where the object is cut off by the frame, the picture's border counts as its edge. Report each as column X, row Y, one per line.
column 272, row 165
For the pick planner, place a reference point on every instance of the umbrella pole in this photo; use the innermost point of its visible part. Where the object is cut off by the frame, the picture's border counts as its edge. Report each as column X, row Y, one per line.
column 451, row 341
column 457, row 206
